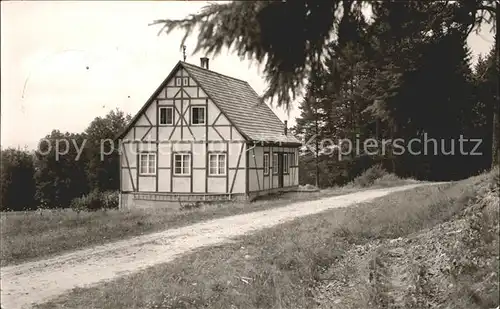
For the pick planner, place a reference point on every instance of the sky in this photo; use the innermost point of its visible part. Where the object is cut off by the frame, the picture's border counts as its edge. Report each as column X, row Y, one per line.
column 63, row 63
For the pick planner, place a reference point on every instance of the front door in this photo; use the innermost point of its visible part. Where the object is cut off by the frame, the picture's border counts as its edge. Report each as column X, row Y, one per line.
column 280, row 170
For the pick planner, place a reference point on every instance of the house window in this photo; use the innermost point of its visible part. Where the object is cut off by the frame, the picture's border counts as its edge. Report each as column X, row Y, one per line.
column 148, row 164
column 275, row 163
column 182, row 164
column 166, row 115
column 292, row 159
column 217, row 164
column 285, row 163
column 185, row 81
column 178, row 81
column 198, row 115
column 266, row 164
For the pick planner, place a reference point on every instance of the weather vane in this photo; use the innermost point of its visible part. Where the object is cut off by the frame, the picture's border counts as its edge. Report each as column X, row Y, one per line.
column 184, row 52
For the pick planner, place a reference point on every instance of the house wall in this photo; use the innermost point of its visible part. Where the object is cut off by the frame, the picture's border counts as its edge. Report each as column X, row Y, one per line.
column 216, row 135
column 257, row 181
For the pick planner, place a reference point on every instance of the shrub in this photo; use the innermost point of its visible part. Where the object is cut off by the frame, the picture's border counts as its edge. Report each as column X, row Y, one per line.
column 368, row 177
column 110, row 199
column 387, row 180
column 190, row 205
column 17, row 184
column 95, row 200
column 308, row 188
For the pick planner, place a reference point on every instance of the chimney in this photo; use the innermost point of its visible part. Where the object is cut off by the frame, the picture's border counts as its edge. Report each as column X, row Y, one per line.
column 286, row 127
column 204, row 62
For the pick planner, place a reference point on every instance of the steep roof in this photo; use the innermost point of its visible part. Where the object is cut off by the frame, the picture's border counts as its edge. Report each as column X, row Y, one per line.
column 241, row 104
column 238, row 101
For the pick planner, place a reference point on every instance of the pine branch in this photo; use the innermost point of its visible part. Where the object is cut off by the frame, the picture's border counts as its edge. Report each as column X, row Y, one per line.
column 289, row 37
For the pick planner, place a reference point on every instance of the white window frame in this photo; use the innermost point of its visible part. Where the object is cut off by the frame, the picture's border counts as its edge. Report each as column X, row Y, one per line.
column 218, row 171
column 265, row 163
column 178, row 81
column 185, row 81
column 275, row 163
column 166, row 116
column 183, row 164
column 204, row 115
column 150, row 157
column 286, row 167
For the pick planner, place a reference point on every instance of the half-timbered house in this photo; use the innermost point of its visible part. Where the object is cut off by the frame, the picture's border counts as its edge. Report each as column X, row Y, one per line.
column 204, row 136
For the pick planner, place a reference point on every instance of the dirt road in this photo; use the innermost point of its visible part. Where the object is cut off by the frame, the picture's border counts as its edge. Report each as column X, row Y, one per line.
column 36, row 282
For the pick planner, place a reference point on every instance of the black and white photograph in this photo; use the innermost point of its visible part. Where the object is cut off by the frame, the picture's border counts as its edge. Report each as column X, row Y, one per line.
column 314, row 154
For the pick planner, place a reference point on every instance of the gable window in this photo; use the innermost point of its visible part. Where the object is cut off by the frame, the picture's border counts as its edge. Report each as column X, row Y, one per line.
column 285, row 163
column 167, row 115
column 266, row 164
column 275, row 163
column 217, row 164
column 148, row 164
column 182, row 164
column 178, row 81
column 185, row 81
column 198, row 115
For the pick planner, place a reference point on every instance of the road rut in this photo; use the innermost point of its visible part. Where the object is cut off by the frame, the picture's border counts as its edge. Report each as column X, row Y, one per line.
column 39, row 281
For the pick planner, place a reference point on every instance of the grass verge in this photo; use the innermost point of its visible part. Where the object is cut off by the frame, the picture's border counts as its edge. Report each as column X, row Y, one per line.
column 301, row 264
column 34, row 235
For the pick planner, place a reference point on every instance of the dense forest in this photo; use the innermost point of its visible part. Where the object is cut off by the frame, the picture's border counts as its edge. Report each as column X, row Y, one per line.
column 373, row 71
column 402, row 72
column 407, row 74
column 64, row 168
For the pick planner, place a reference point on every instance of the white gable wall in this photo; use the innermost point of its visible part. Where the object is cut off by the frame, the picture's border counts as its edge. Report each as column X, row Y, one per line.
column 217, row 134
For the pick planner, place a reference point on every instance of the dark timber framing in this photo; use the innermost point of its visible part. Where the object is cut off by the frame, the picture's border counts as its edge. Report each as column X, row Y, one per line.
column 191, row 169
column 137, row 165
column 171, row 125
column 227, row 167
column 206, row 140
column 264, row 153
column 129, row 168
column 189, row 96
column 172, row 167
column 237, row 166
column 165, row 106
column 183, row 142
column 190, row 152
column 182, row 104
column 256, row 168
column 191, row 114
column 157, row 146
column 247, row 174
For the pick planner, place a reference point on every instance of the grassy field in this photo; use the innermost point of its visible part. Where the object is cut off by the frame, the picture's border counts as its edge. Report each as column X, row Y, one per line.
column 39, row 234
column 434, row 246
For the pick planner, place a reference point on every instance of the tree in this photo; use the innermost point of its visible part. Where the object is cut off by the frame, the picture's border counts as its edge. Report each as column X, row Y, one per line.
column 371, row 91
column 103, row 169
column 428, row 92
column 17, row 185
column 70, row 165
column 291, row 36
column 474, row 14
column 312, row 115
column 291, row 47
column 61, row 169
column 486, row 83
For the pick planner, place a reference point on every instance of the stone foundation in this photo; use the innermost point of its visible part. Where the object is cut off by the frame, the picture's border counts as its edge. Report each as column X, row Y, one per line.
column 254, row 195
column 127, row 200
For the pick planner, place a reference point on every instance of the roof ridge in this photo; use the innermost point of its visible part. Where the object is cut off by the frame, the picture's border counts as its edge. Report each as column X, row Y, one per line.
column 240, row 80
column 220, row 74
column 241, row 104
column 261, row 101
